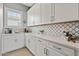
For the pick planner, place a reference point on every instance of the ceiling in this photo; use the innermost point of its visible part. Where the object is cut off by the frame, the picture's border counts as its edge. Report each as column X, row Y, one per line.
column 28, row 4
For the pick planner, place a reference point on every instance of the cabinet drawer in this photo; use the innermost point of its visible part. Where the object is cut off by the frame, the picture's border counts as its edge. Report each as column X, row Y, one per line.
column 43, row 42
column 7, row 36
column 62, row 49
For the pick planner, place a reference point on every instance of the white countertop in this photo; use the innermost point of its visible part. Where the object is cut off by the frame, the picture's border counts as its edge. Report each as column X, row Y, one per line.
column 60, row 39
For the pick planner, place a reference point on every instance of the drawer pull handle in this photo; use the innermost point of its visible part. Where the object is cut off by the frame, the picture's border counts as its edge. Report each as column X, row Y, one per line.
column 44, row 50
column 40, row 41
column 57, row 47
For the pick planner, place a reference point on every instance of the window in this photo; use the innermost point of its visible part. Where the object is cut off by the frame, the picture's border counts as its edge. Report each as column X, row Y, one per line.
column 13, row 17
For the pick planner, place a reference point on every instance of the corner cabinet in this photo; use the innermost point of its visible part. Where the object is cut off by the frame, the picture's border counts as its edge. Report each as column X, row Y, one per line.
column 47, row 13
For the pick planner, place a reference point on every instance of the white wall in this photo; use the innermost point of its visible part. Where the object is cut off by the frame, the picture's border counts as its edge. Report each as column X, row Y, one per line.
column 1, row 25
column 17, row 6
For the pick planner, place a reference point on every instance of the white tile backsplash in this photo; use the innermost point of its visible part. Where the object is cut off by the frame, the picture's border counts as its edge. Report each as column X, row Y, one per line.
column 57, row 29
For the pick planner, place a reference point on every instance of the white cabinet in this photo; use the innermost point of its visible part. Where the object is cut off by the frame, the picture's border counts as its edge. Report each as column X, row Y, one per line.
column 30, row 17
column 77, row 52
column 27, row 37
column 31, row 43
column 7, row 43
column 41, row 51
column 66, row 12
column 12, row 42
column 33, row 15
column 19, row 41
column 45, row 12
column 40, row 14
column 41, row 47
column 52, row 18
column 52, row 52
column 64, row 50
column 37, row 16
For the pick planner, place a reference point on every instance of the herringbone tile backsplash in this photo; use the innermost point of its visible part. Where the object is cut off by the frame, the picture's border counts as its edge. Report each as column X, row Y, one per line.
column 57, row 29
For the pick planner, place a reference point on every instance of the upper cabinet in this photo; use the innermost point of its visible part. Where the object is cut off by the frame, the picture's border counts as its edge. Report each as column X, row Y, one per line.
column 46, row 13
column 37, row 19
column 66, row 12
column 33, row 15
column 30, row 16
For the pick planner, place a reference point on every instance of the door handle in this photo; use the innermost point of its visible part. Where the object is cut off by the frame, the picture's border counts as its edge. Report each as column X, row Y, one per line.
column 44, row 50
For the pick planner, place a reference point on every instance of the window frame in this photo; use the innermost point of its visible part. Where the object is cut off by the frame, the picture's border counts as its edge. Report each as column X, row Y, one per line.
column 6, row 17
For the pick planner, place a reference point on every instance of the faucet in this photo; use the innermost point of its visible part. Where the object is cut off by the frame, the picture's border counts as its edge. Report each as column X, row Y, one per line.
column 41, row 31
column 71, row 37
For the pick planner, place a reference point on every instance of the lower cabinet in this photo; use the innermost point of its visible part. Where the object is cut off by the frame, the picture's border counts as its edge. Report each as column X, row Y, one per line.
column 19, row 41
column 27, row 43
column 52, row 52
column 41, row 50
column 8, row 44
column 41, row 47
column 31, row 44
column 12, row 42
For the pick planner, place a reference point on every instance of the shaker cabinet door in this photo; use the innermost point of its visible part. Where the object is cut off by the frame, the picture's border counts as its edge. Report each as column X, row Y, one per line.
column 30, row 17
column 37, row 16
column 8, row 45
column 66, row 11
column 45, row 12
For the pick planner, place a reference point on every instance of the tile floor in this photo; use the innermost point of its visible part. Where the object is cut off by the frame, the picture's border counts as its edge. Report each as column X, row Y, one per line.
column 19, row 52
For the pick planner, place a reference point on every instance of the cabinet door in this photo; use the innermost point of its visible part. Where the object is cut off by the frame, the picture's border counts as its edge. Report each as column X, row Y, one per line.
column 28, row 42
column 45, row 12
column 30, row 17
column 32, row 45
column 64, row 50
column 19, row 41
column 37, row 19
column 8, row 45
column 52, row 52
column 41, row 47
column 52, row 12
column 66, row 11
column 77, row 52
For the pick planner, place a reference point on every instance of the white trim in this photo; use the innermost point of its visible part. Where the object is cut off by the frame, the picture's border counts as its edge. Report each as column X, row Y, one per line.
column 5, row 15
